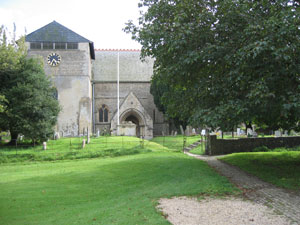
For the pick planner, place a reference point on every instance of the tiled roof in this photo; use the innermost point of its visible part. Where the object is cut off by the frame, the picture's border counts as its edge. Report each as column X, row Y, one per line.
column 55, row 32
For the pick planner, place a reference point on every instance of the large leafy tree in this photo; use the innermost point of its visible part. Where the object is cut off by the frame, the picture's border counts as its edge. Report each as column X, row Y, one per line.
column 28, row 105
column 233, row 61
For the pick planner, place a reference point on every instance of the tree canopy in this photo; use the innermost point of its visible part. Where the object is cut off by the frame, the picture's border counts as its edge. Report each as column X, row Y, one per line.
column 27, row 102
column 224, row 62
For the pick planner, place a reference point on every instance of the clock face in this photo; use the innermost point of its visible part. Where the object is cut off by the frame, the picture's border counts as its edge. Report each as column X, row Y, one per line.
column 53, row 59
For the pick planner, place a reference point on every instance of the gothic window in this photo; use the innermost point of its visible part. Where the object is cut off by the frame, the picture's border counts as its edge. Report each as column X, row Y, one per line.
column 103, row 114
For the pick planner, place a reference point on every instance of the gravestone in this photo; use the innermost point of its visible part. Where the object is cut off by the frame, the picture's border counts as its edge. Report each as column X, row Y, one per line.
column 238, row 131
column 172, row 133
column 278, row 133
column 249, row 132
column 175, row 133
column 83, row 143
column 56, row 136
column 163, row 133
column 193, row 131
column 181, row 129
column 203, row 132
column 188, row 130
column 286, row 133
column 44, row 145
column 98, row 133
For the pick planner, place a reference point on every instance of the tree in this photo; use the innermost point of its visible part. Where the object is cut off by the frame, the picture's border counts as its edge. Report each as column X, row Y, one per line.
column 30, row 107
column 235, row 60
column 2, row 101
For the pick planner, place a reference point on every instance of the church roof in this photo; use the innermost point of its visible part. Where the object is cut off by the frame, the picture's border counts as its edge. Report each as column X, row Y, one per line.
column 55, row 32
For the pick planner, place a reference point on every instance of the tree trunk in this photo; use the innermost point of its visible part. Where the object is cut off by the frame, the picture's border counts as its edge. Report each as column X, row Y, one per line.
column 14, row 138
column 249, row 125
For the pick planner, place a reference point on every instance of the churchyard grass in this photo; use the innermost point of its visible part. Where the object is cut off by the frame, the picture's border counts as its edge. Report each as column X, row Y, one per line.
column 104, row 146
column 119, row 190
column 280, row 167
column 175, row 143
column 199, row 150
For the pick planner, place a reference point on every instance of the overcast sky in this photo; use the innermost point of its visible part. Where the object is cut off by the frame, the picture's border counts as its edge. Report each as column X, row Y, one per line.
column 100, row 21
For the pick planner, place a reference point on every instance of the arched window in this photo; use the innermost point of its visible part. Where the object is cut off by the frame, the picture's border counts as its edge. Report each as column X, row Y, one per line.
column 103, row 114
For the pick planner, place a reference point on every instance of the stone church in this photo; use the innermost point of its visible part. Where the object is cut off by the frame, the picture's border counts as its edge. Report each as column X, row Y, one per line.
column 99, row 90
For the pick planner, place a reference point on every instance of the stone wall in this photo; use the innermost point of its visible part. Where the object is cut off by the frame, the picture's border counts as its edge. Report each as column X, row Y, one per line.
column 135, row 77
column 72, row 79
column 226, row 146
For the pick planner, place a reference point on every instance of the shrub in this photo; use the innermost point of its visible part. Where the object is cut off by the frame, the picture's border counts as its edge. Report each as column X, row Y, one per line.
column 261, row 149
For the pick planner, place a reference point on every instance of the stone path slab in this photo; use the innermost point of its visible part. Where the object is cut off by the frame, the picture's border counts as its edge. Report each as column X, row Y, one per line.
column 283, row 201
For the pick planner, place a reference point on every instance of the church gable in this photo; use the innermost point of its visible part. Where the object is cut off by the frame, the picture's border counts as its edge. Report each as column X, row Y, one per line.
column 132, row 109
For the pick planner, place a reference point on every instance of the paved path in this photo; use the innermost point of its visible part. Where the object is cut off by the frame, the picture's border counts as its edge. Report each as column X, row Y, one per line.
column 282, row 201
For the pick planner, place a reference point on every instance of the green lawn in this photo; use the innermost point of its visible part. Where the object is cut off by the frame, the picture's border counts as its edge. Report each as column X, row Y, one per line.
column 199, row 150
column 119, row 190
column 71, row 148
column 279, row 168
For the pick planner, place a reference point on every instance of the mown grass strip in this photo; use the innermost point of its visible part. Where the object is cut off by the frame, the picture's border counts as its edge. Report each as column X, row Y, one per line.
column 279, row 168
column 121, row 190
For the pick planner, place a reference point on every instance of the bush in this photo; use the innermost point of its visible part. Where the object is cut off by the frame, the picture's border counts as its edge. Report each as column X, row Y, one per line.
column 261, row 149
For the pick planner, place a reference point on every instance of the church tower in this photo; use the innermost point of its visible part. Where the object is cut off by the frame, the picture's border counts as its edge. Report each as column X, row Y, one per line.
column 67, row 60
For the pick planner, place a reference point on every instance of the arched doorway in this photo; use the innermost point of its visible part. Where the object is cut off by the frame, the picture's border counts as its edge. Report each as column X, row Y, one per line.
column 134, row 120
column 134, row 116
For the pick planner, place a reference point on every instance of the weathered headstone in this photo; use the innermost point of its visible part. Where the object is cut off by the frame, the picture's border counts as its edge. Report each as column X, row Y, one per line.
column 181, row 129
column 286, row 133
column 175, row 133
column 83, row 143
column 56, row 136
column 172, row 133
column 98, row 133
column 249, row 132
column 163, row 133
column 188, row 130
column 277, row 133
column 238, row 131
column 203, row 132
column 44, row 145
column 193, row 131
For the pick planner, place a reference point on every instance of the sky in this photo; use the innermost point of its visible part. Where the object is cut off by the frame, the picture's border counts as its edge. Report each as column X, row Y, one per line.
column 100, row 21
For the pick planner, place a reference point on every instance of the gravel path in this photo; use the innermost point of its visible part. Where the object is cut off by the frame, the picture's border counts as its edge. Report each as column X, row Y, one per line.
column 282, row 201
column 265, row 204
column 231, row 211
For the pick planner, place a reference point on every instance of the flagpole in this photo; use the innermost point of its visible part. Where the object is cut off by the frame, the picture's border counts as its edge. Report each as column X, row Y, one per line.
column 118, row 88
